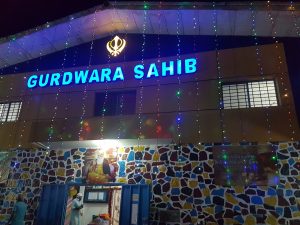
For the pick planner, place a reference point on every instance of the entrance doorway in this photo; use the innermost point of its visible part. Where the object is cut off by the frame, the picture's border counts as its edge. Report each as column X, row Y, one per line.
column 99, row 204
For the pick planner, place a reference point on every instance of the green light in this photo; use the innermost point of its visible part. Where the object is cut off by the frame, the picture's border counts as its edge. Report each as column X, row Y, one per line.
column 225, row 156
column 274, row 157
column 146, row 6
column 178, row 93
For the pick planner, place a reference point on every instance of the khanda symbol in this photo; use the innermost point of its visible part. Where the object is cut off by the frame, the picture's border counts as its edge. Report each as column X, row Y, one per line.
column 116, row 46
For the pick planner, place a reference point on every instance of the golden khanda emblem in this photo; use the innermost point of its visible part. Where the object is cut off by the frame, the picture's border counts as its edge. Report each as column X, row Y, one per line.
column 116, row 46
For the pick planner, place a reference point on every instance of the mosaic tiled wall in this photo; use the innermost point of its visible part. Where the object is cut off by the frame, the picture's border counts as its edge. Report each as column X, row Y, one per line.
column 32, row 169
column 182, row 178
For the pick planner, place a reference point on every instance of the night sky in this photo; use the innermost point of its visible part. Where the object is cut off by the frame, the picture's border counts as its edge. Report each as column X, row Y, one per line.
column 20, row 15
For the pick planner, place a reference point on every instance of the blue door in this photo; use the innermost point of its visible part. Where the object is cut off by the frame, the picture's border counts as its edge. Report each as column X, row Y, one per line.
column 52, row 206
column 135, row 203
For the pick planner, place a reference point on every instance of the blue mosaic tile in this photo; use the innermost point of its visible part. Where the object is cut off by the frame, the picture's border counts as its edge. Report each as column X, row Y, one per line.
column 239, row 218
column 142, row 181
column 178, row 174
column 288, row 193
column 271, row 191
column 167, row 179
column 130, row 156
column 256, row 200
column 152, row 151
column 207, row 200
column 202, row 186
column 290, row 149
column 182, row 158
column 67, row 155
column 294, row 208
column 30, row 195
column 194, row 212
column 193, row 176
column 121, row 165
column 190, row 199
column 218, row 192
column 279, row 211
column 291, row 161
column 77, row 161
column 237, row 208
column 175, row 191
column 218, row 208
column 155, row 169
column 82, row 149
column 5, row 204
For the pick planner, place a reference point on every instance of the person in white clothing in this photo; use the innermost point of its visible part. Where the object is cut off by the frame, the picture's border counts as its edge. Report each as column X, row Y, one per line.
column 76, row 210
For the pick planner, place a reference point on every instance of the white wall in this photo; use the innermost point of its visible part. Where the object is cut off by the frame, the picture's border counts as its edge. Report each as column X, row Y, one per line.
column 91, row 209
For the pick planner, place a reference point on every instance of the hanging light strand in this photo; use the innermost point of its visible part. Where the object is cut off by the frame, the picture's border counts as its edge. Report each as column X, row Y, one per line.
column 260, row 69
column 282, row 81
column 122, row 102
column 84, row 125
column 141, row 87
column 158, row 128
column 221, row 112
column 196, row 31
column 179, row 90
column 57, row 95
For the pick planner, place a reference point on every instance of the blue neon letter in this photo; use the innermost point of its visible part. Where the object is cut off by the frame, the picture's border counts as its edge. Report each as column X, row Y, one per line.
column 152, row 71
column 94, row 77
column 41, row 83
column 190, row 65
column 118, row 74
column 81, row 76
column 165, row 68
column 55, row 79
column 32, row 81
column 67, row 78
column 105, row 74
column 139, row 73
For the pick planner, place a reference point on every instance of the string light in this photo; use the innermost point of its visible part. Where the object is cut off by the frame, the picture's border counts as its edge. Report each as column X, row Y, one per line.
column 58, row 93
column 179, row 91
column 84, row 124
column 26, row 100
column 122, row 102
column 221, row 112
column 291, row 8
column 195, row 26
column 65, row 134
column 10, row 93
column 158, row 128
column 141, row 87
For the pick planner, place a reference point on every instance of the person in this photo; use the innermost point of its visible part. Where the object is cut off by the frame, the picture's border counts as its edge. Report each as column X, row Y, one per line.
column 19, row 212
column 76, row 210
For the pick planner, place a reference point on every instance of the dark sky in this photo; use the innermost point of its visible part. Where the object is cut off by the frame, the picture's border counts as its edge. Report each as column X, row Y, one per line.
column 20, row 15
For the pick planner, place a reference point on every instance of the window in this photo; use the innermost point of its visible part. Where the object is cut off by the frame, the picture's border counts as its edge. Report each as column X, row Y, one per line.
column 249, row 95
column 10, row 111
column 115, row 103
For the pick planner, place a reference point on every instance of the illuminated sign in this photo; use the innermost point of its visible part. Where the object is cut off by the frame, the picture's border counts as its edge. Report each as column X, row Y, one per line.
column 140, row 71
column 116, row 46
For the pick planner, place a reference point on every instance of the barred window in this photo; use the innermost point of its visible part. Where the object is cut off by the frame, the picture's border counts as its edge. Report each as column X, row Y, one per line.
column 10, row 111
column 249, row 95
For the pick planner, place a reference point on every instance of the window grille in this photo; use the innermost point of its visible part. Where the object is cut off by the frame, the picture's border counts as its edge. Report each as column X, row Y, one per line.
column 249, row 95
column 10, row 111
